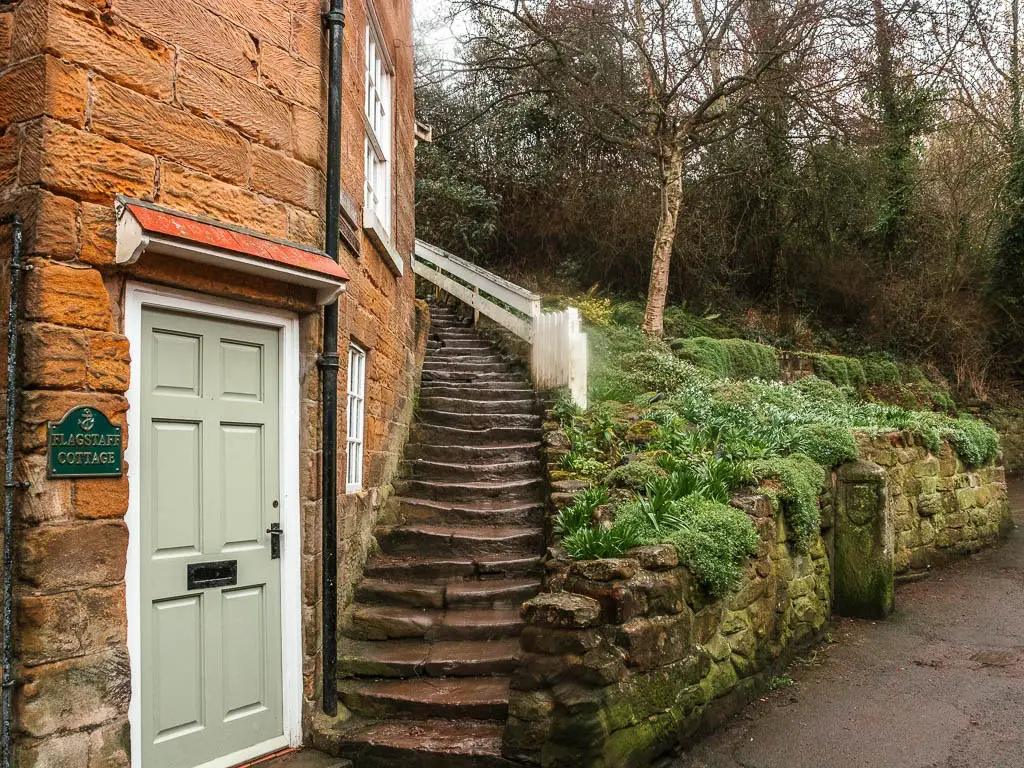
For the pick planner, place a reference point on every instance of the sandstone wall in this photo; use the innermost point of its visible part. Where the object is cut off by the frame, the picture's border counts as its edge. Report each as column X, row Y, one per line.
column 938, row 509
column 209, row 107
column 625, row 658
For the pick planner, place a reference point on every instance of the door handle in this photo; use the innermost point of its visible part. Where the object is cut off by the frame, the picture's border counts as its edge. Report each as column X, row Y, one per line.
column 276, row 533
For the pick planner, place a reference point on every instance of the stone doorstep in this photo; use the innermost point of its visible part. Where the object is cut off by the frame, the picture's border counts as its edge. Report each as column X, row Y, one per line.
column 298, row 758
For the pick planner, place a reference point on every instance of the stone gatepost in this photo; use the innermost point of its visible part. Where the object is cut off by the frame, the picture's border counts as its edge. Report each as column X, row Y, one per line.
column 864, row 565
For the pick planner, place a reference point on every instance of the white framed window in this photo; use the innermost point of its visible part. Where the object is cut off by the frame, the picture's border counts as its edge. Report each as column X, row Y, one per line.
column 356, row 418
column 377, row 111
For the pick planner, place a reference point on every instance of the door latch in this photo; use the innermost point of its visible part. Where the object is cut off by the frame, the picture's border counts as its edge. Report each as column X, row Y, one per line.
column 275, row 540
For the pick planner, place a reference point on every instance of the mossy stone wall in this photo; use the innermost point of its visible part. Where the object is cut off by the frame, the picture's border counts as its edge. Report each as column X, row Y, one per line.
column 938, row 508
column 625, row 658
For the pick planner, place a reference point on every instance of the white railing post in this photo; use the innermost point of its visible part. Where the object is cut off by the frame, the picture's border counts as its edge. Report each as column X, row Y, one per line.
column 559, row 346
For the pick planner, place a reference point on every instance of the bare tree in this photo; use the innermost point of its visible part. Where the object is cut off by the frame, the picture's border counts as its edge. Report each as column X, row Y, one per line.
column 662, row 78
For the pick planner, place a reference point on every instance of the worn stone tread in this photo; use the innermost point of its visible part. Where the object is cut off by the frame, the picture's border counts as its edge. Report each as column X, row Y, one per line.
column 414, row 658
column 427, row 744
column 481, row 698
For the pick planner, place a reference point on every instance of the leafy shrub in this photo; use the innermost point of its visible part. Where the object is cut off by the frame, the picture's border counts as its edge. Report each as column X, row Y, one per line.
column 654, row 371
column 593, row 543
column 628, row 313
column 712, row 538
column 580, row 513
column 583, row 466
column 636, row 475
column 828, row 444
column 729, row 358
column 881, row 371
column 841, row 371
column 595, row 311
column 800, row 481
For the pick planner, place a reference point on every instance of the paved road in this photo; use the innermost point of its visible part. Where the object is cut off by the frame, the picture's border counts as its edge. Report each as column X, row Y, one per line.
column 938, row 685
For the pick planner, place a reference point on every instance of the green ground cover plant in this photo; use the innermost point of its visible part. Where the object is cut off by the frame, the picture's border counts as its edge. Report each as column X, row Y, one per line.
column 667, row 441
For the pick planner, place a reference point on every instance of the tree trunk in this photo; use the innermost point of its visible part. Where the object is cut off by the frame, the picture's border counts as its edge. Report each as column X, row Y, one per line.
column 664, row 239
column 1015, row 78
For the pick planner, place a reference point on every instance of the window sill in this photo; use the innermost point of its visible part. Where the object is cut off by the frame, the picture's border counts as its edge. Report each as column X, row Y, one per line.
column 356, row 488
column 380, row 238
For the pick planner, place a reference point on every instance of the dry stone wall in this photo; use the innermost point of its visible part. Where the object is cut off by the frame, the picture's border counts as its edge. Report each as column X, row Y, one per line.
column 938, row 508
column 625, row 658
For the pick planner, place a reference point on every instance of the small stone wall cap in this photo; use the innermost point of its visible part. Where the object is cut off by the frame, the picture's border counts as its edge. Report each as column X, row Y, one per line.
column 606, row 569
column 861, row 471
column 656, row 557
column 562, row 610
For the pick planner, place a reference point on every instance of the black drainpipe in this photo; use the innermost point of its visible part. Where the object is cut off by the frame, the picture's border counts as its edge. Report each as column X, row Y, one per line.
column 10, row 414
column 335, row 20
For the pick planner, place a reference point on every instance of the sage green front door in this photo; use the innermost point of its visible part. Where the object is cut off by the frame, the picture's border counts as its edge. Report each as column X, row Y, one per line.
column 211, row 667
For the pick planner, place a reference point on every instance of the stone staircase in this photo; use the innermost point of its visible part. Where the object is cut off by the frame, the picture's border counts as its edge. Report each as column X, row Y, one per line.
column 435, row 624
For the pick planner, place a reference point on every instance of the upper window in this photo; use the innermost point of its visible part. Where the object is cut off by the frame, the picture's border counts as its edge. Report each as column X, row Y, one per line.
column 378, row 126
column 356, row 418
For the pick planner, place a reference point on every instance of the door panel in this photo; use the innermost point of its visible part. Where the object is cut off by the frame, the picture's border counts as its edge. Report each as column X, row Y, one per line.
column 209, row 473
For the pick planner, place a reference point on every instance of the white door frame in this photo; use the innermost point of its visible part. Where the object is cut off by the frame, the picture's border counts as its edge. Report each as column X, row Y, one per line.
column 137, row 296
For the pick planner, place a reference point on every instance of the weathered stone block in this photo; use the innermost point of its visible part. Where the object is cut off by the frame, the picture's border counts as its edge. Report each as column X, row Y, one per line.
column 657, row 557
column 83, row 165
column 655, row 642
column 562, row 610
column 74, row 695
column 864, row 570
column 537, row 639
column 67, row 556
column 606, row 569
column 65, row 296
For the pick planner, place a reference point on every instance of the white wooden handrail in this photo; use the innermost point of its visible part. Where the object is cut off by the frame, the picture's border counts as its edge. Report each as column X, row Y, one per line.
column 559, row 346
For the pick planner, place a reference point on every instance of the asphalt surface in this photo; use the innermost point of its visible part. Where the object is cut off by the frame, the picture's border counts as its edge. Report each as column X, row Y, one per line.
column 940, row 684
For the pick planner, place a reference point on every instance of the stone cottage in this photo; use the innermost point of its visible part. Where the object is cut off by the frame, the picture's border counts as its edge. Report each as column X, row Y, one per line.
column 170, row 163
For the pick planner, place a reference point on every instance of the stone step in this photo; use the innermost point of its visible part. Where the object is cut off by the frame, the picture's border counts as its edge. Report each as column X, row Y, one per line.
column 415, row 658
column 456, row 366
column 444, row 435
column 479, row 698
column 420, row 540
column 452, row 569
column 495, row 593
column 464, row 405
column 461, row 347
column 422, row 469
column 477, row 420
column 454, row 492
column 395, row 622
column 464, row 356
column 426, row 744
column 505, row 379
column 412, row 594
column 445, row 323
column 473, row 454
column 498, row 512
column 477, row 391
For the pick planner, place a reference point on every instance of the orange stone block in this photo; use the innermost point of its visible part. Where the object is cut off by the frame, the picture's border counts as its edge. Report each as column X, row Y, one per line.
column 40, row 86
column 100, row 497
column 253, row 110
column 279, row 176
column 82, row 165
column 54, row 357
column 309, row 133
column 79, row 32
column 99, row 234
column 293, row 78
column 193, row 28
column 5, row 38
column 270, row 22
column 64, row 295
column 171, row 132
column 194, row 192
column 109, row 361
